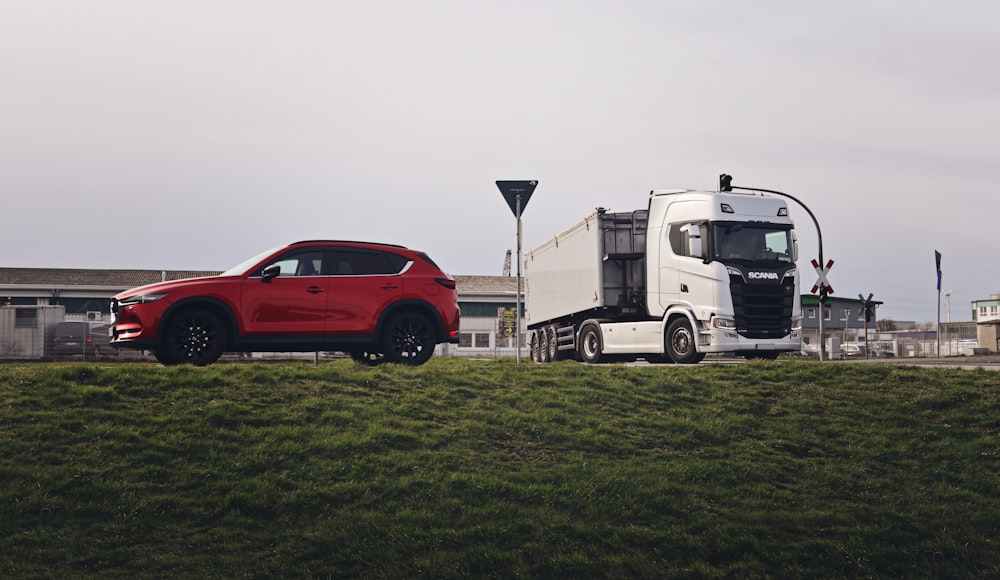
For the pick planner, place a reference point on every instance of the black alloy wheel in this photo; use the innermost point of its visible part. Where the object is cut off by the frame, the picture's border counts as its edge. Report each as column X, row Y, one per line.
column 408, row 339
column 195, row 337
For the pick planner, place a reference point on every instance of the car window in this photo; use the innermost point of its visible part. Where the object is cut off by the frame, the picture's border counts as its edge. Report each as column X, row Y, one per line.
column 300, row 263
column 348, row 262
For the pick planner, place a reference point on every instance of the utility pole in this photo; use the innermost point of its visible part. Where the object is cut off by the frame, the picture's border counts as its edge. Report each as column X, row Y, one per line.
column 868, row 308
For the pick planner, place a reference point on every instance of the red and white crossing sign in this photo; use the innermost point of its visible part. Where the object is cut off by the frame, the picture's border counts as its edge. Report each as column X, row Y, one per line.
column 822, row 281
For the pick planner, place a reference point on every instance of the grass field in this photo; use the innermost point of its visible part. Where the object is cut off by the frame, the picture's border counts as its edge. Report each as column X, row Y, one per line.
column 490, row 469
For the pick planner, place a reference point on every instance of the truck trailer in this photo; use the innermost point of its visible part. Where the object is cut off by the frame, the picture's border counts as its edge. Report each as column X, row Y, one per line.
column 695, row 272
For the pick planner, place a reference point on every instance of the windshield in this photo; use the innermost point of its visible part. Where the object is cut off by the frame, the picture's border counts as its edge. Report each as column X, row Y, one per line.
column 242, row 267
column 752, row 242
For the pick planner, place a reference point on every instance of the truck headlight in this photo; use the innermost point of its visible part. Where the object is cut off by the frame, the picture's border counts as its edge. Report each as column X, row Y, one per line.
column 724, row 323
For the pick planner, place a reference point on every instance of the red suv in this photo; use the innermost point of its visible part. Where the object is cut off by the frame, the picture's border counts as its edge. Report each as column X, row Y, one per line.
column 374, row 301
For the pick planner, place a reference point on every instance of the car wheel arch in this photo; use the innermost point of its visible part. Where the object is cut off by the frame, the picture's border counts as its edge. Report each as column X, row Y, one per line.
column 411, row 305
column 219, row 307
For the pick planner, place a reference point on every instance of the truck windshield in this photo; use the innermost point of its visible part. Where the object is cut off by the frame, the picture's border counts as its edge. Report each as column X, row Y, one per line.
column 751, row 242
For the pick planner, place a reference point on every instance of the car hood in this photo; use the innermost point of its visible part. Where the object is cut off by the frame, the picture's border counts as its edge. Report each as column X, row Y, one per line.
column 171, row 285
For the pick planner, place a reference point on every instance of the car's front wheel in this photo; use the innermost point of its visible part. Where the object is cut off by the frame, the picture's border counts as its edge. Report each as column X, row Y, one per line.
column 408, row 338
column 194, row 336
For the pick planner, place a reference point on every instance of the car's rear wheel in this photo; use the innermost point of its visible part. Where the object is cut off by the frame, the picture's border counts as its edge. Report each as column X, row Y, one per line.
column 408, row 338
column 367, row 357
column 194, row 336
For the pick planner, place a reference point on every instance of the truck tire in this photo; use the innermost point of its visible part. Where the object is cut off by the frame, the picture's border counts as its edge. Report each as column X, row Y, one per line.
column 680, row 343
column 591, row 344
column 543, row 346
column 550, row 340
column 534, row 349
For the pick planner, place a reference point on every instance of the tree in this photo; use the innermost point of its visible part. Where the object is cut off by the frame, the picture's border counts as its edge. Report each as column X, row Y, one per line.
column 885, row 325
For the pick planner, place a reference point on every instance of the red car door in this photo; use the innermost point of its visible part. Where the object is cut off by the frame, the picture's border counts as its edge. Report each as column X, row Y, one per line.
column 291, row 303
column 362, row 284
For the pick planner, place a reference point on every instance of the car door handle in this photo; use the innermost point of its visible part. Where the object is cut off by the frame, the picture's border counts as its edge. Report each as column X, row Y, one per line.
column 314, row 290
column 390, row 287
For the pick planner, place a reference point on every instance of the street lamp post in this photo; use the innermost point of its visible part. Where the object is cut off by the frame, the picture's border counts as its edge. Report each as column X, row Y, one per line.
column 725, row 180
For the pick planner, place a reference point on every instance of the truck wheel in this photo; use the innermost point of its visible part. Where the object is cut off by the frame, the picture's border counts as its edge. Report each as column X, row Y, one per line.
column 590, row 344
column 681, row 343
column 408, row 339
column 550, row 339
column 195, row 337
column 543, row 346
column 533, row 347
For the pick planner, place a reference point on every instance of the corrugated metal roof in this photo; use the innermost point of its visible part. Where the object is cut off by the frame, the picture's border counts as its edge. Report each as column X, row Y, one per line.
column 124, row 279
column 62, row 277
column 486, row 284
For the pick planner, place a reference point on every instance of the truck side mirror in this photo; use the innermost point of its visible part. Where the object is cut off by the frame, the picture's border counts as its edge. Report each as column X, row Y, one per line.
column 795, row 247
column 693, row 239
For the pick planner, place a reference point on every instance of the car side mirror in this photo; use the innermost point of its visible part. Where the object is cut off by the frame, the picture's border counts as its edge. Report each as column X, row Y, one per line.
column 272, row 271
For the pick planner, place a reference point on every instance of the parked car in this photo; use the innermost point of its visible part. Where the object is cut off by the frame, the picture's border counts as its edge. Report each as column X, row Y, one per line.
column 374, row 301
column 85, row 339
column 851, row 350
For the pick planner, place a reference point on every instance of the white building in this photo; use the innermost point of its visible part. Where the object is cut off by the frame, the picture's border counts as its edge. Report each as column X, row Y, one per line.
column 986, row 315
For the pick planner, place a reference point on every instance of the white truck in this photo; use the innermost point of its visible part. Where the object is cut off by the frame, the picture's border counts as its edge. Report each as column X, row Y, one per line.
column 696, row 272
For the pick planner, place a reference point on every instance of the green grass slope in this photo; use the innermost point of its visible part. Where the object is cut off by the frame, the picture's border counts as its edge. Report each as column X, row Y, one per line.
column 477, row 469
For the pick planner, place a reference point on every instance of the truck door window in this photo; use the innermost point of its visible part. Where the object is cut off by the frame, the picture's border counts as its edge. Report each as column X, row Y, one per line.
column 681, row 236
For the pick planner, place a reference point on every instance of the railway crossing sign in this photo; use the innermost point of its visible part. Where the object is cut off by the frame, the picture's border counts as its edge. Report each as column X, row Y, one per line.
column 822, row 284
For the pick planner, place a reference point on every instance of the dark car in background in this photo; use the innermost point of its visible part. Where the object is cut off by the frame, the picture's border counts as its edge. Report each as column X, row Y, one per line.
column 374, row 301
column 85, row 339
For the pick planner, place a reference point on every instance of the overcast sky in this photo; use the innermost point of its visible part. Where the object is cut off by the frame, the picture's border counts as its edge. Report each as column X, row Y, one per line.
column 194, row 134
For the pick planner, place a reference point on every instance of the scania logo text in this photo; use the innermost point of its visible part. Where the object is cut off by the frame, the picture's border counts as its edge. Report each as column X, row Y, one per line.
column 762, row 275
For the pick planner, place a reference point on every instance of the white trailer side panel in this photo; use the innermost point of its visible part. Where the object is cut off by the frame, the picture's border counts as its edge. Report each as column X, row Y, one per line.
column 564, row 275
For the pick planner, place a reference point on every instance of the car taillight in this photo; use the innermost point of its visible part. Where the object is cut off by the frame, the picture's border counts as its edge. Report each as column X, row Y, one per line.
column 446, row 282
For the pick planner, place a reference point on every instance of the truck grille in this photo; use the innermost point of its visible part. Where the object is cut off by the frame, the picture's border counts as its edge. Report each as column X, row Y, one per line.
column 762, row 310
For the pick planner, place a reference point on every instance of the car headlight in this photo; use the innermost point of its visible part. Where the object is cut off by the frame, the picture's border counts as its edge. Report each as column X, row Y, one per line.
column 140, row 299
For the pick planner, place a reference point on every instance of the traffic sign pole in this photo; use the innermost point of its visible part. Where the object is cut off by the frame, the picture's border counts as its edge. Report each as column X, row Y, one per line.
column 517, row 215
column 517, row 194
column 725, row 182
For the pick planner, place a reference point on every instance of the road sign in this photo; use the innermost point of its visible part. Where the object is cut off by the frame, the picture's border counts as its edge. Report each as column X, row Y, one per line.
column 512, row 189
column 822, row 282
